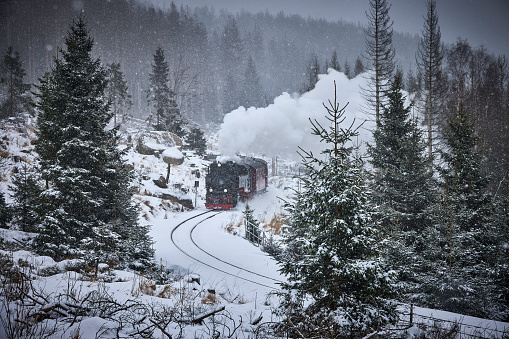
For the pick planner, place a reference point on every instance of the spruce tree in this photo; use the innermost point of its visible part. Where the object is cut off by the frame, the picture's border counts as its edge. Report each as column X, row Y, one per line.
column 158, row 94
column 380, row 55
column 252, row 88
column 163, row 99
column 403, row 184
column 196, row 141
column 334, row 62
column 5, row 212
column 337, row 282
column 429, row 58
column 252, row 225
column 359, row 67
column 116, row 92
column 17, row 98
column 26, row 190
column 462, row 245
column 86, row 201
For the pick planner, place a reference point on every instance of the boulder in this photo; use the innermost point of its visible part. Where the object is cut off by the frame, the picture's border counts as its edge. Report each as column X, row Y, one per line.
column 172, row 156
column 157, row 141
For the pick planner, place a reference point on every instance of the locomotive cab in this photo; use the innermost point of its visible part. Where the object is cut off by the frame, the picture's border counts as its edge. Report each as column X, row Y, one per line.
column 228, row 182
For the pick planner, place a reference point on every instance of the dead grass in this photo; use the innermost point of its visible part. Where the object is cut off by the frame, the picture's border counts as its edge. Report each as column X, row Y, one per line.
column 274, row 225
column 233, row 226
column 209, row 298
column 167, row 292
column 142, row 285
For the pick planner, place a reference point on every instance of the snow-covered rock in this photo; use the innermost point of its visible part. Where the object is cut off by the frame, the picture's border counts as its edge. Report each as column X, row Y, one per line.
column 172, row 156
column 157, row 141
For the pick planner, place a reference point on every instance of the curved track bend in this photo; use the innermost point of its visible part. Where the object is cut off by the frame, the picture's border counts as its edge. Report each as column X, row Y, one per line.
column 255, row 277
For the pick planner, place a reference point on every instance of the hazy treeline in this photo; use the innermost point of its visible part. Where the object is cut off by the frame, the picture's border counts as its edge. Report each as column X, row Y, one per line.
column 208, row 51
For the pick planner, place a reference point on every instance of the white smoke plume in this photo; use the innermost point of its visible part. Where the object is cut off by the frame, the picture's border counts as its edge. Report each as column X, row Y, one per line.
column 278, row 130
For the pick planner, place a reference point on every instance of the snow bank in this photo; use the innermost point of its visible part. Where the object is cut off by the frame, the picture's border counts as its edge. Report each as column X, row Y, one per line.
column 278, row 130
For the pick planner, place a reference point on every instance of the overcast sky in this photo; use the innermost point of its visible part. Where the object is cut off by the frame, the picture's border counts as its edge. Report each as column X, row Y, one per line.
column 483, row 22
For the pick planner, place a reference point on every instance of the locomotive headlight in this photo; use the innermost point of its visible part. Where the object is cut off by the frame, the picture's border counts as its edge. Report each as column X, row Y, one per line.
column 225, row 190
column 210, row 189
column 218, row 164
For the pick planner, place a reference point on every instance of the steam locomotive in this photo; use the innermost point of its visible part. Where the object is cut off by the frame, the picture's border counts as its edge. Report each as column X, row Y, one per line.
column 229, row 182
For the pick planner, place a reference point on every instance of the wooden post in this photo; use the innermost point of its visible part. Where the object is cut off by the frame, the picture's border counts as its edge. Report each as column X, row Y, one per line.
column 411, row 314
column 168, row 174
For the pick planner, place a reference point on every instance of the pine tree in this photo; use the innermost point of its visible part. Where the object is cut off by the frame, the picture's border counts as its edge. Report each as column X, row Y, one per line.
column 462, row 245
column 252, row 88
column 380, row 55
column 87, row 205
column 429, row 64
column 403, row 184
column 334, row 62
column 5, row 212
column 159, row 93
column 252, row 225
column 348, row 70
column 231, row 55
column 26, row 190
column 116, row 92
column 359, row 67
column 174, row 121
column 312, row 72
column 196, row 141
column 17, row 97
column 332, row 258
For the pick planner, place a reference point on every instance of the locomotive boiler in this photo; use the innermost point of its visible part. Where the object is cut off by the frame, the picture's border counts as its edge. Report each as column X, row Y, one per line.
column 229, row 182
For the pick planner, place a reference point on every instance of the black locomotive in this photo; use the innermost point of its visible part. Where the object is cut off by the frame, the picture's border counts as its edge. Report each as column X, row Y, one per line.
column 230, row 181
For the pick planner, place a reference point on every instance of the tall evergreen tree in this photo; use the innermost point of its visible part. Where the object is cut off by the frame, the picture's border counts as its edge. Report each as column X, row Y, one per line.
column 380, row 55
column 196, row 141
column 332, row 259
column 429, row 64
column 252, row 88
column 158, row 94
column 359, row 67
column 17, row 98
column 26, row 190
column 403, row 184
column 462, row 246
column 348, row 70
column 116, row 92
column 334, row 62
column 87, row 204
column 231, row 57
column 5, row 212
column 312, row 72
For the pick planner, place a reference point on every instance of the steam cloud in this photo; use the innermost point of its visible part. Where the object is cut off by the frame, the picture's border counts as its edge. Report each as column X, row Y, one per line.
column 278, row 130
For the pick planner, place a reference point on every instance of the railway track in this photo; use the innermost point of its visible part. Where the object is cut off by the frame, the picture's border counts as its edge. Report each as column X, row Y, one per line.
column 252, row 277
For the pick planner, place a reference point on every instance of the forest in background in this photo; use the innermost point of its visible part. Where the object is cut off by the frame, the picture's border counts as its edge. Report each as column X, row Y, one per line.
column 205, row 51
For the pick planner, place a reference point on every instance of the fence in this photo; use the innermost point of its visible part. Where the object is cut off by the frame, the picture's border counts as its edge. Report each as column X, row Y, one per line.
column 463, row 330
column 254, row 234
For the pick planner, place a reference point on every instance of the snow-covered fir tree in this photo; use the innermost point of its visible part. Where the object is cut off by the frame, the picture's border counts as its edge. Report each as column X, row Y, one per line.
column 116, row 92
column 337, row 282
column 86, row 200
column 16, row 97
column 196, row 141
column 402, row 184
column 5, row 212
column 25, row 192
column 463, row 244
column 252, row 225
